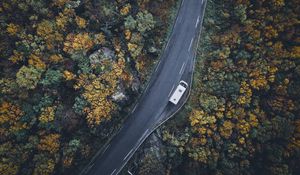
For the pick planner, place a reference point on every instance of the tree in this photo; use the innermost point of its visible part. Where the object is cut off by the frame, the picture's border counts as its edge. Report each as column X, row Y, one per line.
column 52, row 77
column 43, row 165
column 130, row 23
column 28, row 77
column 50, row 143
column 145, row 22
column 78, row 42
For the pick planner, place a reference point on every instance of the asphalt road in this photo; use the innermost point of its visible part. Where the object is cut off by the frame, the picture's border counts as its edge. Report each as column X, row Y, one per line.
column 176, row 63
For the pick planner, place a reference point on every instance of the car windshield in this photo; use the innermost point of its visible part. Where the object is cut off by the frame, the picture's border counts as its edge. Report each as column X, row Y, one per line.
column 183, row 84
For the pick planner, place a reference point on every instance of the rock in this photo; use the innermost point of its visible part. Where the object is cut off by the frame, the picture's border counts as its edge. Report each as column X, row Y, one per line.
column 152, row 49
column 120, row 96
column 135, row 85
column 100, row 55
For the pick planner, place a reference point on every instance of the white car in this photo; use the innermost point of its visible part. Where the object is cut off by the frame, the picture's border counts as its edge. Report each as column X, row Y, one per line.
column 179, row 91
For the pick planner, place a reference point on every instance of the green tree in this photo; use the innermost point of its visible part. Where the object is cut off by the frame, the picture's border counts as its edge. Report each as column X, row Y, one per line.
column 52, row 77
column 240, row 13
column 130, row 23
column 79, row 105
column 145, row 21
column 28, row 77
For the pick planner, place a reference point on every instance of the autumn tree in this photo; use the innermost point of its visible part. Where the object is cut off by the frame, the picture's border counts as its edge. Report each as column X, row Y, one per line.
column 28, row 77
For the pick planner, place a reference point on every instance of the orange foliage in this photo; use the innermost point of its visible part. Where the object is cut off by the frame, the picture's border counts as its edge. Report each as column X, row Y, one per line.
column 125, row 10
column 36, row 61
column 49, row 143
column 78, row 42
column 80, row 22
column 69, row 75
column 12, row 29
column 60, row 3
column 16, row 57
column 97, row 90
column 47, row 115
column 55, row 58
column 47, row 30
column 99, row 39
column 270, row 32
column 11, row 114
column 226, row 129
column 295, row 53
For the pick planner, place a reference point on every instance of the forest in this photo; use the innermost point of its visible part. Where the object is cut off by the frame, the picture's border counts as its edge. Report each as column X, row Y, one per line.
column 243, row 113
column 70, row 71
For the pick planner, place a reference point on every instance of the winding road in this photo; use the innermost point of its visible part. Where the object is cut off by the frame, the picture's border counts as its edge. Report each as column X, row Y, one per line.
column 176, row 63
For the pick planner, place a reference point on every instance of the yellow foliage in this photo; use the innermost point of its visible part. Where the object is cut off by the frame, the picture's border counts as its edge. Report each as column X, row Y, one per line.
column 69, row 75
column 49, row 143
column 78, row 42
column 272, row 71
column 12, row 29
column 201, row 118
column 203, row 140
column 7, row 86
column 195, row 117
column 253, row 119
column 202, row 154
column 246, row 94
column 132, row 47
column 242, row 140
column 279, row 51
column 97, row 90
column 226, row 129
column 44, row 29
column 235, row 112
column 270, row 32
column 64, row 18
column 8, row 168
column 259, row 83
column 125, row 10
column 294, row 143
column 202, row 130
column 47, row 31
column 295, row 53
column 11, row 114
column 99, row 39
column 117, row 45
column 47, row 115
column 243, row 127
column 218, row 64
column 35, row 61
column 258, row 80
column 140, row 65
column 16, row 57
column 255, row 34
column 67, row 161
column 242, row 2
column 278, row 3
column 60, row 3
column 61, row 21
column 44, row 168
column 55, row 58
column 127, row 34
column 80, row 22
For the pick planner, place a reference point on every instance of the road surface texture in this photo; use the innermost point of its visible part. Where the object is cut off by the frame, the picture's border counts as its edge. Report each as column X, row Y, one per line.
column 176, row 63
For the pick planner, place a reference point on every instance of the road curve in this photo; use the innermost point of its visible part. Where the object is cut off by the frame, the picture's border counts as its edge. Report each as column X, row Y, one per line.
column 176, row 63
